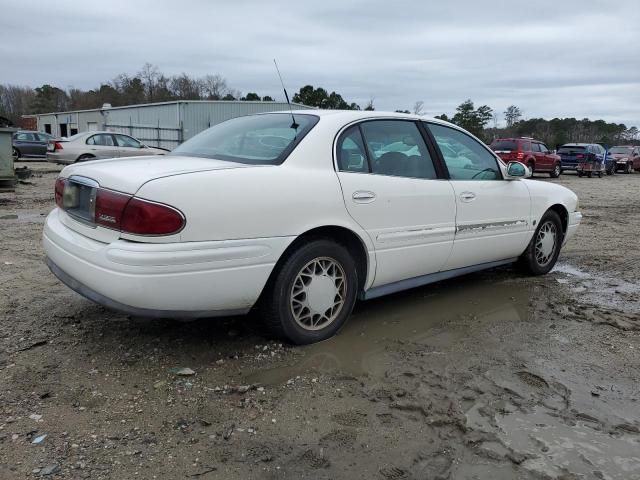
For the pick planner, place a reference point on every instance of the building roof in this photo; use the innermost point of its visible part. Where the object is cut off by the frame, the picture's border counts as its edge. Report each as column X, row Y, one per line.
column 172, row 102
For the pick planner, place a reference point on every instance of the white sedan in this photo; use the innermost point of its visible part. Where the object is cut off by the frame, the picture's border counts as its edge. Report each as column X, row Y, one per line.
column 298, row 215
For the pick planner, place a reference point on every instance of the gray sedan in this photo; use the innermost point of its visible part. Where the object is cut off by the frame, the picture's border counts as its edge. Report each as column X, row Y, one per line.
column 26, row 143
column 95, row 145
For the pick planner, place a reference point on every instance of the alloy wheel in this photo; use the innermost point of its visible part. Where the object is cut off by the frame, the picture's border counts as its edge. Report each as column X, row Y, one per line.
column 546, row 243
column 318, row 293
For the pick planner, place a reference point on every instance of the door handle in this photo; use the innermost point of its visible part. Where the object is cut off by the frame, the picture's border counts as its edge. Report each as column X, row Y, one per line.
column 362, row 196
column 467, row 196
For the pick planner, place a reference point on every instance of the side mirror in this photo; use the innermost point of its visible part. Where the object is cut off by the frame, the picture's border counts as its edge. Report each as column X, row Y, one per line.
column 517, row 170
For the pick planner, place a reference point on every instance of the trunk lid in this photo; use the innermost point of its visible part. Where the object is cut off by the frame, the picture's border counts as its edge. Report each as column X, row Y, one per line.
column 129, row 174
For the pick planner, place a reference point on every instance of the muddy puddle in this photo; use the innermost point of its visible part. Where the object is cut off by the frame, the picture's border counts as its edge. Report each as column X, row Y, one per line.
column 434, row 317
column 599, row 290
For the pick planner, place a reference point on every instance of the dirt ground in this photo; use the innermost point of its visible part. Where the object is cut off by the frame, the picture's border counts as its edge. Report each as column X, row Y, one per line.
column 491, row 376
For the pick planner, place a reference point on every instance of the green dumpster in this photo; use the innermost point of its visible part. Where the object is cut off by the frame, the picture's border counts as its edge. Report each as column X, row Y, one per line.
column 7, row 175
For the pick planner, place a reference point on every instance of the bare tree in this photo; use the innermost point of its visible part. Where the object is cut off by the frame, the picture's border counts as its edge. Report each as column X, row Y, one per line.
column 512, row 114
column 214, row 87
column 370, row 106
column 418, row 107
column 15, row 101
column 149, row 76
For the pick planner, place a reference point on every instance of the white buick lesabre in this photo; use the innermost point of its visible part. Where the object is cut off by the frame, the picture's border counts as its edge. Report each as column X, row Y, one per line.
column 299, row 214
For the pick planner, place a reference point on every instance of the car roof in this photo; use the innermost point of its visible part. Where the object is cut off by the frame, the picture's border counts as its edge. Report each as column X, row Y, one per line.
column 348, row 116
column 577, row 144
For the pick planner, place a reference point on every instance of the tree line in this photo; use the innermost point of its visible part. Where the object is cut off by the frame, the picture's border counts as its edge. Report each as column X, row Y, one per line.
column 151, row 85
column 483, row 122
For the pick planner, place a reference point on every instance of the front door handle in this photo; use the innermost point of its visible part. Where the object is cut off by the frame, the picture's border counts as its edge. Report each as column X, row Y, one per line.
column 467, row 196
column 362, row 196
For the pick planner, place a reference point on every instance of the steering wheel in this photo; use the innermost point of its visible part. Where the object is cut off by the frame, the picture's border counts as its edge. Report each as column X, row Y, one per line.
column 483, row 171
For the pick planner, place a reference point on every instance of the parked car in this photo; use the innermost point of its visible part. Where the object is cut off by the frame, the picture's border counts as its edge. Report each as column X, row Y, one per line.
column 530, row 152
column 298, row 217
column 577, row 156
column 627, row 157
column 95, row 145
column 29, row 144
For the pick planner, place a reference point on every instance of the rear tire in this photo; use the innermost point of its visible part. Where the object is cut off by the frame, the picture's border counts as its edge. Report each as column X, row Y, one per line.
column 85, row 157
column 543, row 249
column 531, row 166
column 15, row 153
column 312, row 293
column 555, row 173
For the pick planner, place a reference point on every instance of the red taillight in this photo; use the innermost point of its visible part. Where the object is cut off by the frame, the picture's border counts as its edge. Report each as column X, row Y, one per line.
column 109, row 208
column 59, row 191
column 146, row 218
column 57, row 146
column 117, row 211
column 520, row 155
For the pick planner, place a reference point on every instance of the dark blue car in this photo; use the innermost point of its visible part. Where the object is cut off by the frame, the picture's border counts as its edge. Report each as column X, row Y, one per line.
column 573, row 156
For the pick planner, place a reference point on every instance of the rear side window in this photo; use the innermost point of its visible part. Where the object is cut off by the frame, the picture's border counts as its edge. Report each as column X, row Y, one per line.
column 255, row 139
column 504, row 146
column 352, row 156
column 535, row 147
column 396, row 148
column 466, row 158
column 525, row 146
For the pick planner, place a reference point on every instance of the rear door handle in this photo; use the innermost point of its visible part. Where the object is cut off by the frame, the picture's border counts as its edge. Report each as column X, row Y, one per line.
column 362, row 196
column 467, row 196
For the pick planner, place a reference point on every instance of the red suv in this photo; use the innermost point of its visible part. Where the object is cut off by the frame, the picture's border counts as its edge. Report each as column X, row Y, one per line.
column 531, row 152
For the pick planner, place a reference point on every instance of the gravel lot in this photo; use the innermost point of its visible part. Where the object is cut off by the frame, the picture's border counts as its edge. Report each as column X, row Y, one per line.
column 494, row 375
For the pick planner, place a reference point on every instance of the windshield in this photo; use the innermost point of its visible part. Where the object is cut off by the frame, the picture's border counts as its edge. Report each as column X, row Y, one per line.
column 506, row 145
column 257, row 139
column 623, row 150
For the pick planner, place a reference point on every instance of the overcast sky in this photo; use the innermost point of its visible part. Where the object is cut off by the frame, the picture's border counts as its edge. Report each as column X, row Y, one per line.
column 564, row 58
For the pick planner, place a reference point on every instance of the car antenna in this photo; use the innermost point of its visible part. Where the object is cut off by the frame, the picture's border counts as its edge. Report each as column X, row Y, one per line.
column 294, row 125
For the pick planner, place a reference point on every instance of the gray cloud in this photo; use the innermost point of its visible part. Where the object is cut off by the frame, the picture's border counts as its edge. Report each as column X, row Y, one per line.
column 568, row 58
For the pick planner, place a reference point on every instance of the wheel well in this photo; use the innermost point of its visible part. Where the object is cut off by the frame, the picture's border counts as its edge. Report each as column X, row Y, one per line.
column 85, row 155
column 341, row 235
column 564, row 215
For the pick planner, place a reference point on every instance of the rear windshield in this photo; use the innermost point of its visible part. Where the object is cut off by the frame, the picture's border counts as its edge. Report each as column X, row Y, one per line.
column 623, row 150
column 509, row 145
column 571, row 149
column 257, row 139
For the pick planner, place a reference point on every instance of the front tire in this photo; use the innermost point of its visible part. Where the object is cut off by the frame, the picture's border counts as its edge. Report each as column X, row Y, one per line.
column 312, row 293
column 628, row 168
column 543, row 249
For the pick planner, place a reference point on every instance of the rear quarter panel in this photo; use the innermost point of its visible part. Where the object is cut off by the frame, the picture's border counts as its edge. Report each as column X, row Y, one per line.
column 265, row 201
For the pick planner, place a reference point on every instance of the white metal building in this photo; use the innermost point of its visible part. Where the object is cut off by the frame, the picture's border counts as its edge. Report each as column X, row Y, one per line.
column 165, row 124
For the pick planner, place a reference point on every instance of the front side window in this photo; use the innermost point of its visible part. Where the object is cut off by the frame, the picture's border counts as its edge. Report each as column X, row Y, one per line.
column 543, row 148
column 396, row 148
column 256, row 139
column 352, row 156
column 465, row 157
column 102, row 140
column 124, row 141
column 25, row 137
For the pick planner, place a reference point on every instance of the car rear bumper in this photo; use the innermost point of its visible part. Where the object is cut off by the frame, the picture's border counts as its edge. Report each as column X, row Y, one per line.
column 171, row 280
column 54, row 157
column 574, row 222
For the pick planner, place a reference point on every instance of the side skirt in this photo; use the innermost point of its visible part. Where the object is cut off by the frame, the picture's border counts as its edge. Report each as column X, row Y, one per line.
column 430, row 278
